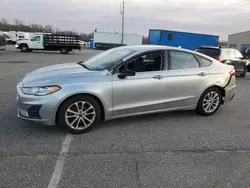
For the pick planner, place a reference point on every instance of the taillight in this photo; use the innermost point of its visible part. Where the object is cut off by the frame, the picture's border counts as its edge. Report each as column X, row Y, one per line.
column 218, row 58
column 232, row 72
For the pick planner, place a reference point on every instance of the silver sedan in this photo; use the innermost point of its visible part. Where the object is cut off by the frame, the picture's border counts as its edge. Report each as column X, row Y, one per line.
column 124, row 81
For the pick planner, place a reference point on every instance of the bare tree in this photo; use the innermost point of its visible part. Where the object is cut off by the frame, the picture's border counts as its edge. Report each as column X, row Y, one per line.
column 4, row 21
column 17, row 24
column 49, row 28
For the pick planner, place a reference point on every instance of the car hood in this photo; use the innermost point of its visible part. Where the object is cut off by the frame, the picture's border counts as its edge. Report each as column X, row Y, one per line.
column 21, row 41
column 56, row 74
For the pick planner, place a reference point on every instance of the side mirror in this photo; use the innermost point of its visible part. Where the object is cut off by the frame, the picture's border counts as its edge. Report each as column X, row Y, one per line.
column 126, row 73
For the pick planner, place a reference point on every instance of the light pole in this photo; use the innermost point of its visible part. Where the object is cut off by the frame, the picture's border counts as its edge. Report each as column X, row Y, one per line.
column 122, row 12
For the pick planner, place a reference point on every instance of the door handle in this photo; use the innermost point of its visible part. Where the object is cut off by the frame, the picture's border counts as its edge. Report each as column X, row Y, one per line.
column 158, row 77
column 202, row 74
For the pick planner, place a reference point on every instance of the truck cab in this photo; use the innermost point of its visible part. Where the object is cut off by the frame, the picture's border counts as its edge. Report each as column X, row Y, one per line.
column 35, row 43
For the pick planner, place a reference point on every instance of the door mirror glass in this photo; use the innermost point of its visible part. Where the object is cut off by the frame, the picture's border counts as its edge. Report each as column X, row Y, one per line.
column 126, row 73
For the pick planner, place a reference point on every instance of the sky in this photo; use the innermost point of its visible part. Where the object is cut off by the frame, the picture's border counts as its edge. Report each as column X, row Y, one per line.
column 219, row 17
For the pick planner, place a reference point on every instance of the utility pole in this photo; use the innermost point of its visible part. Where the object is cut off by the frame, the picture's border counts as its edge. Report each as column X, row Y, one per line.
column 122, row 12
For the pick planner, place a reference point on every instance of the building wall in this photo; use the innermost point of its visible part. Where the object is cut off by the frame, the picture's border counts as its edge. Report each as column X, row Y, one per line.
column 239, row 40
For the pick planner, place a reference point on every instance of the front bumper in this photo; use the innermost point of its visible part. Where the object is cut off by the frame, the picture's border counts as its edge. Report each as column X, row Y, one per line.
column 41, row 109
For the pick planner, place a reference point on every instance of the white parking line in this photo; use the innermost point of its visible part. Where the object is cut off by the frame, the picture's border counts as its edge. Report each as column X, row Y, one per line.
column 60, row 162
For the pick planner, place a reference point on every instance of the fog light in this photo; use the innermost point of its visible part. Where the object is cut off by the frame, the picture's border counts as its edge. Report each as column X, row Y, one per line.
column 23, row 113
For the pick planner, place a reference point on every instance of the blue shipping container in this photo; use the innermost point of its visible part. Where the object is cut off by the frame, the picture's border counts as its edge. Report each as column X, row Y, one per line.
column 189, row 41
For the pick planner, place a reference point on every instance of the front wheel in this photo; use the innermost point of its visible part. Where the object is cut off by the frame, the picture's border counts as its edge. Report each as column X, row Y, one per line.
column 209, row 102
column 24, row 48
column 79, row 114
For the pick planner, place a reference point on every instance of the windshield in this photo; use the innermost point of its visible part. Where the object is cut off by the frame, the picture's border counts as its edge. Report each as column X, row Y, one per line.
column 107, row 59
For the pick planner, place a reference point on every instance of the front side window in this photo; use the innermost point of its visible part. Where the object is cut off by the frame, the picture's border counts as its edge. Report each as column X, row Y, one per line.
column 36, row 38
column 182, row 60
column 107, row 59
column 151, row 61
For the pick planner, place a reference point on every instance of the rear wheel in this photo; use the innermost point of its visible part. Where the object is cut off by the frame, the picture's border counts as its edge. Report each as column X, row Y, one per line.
column 64, row 50
column 209, row 102
column 242, row 75
column 79, row 114
column 24, row 48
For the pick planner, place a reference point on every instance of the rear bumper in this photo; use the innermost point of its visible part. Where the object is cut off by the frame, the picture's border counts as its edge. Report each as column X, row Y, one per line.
column 230, row 89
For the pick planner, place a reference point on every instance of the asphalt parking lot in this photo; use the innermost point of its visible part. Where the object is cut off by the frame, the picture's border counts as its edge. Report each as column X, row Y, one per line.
column 179, row 149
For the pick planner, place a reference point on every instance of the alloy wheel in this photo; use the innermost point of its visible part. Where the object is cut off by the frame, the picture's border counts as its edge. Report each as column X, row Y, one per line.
column 211, row 102
column 80, row 115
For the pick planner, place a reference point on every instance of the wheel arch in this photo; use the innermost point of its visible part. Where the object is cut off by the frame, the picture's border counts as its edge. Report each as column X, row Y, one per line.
column 221, row 89
column 23, row 44
column 99, row 101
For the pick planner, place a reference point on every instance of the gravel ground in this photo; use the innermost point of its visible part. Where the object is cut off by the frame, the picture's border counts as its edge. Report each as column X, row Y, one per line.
column 179, row 149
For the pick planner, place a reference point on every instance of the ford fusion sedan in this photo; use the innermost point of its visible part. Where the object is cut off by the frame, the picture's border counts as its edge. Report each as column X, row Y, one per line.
column 124, row 81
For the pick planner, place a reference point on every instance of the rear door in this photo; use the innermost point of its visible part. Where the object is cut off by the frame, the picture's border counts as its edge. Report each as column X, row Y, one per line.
column 186, row 80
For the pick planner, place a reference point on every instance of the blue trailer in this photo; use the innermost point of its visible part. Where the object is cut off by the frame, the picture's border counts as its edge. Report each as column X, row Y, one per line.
column 186, row 40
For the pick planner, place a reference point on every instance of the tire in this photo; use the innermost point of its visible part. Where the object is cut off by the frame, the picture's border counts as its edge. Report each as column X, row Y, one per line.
column 24, row 48
column 78, row 119
column 202, row 107
column 245, row 71
column 64, row 50
column 242, row 75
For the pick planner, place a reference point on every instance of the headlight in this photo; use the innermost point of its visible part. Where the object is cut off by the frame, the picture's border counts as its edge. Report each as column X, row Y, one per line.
column 40, row 91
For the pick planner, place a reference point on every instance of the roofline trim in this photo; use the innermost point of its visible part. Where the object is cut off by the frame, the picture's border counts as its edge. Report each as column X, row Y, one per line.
column 239, row 33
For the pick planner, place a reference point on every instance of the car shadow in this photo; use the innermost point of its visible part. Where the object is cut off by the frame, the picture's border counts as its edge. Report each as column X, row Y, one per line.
column 23, row 126
column 140, row 119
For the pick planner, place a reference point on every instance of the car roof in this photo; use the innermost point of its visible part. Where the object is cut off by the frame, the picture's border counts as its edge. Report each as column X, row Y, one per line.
column 141, row 48
column 145, row 48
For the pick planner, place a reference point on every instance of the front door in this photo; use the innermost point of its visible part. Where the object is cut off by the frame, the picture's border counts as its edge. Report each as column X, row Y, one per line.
column 143, row 92
column 36, row 43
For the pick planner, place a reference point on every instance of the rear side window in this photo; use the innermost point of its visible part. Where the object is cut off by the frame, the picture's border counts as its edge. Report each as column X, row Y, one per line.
column 203, row 61
column 182, row 60
column 209, row 51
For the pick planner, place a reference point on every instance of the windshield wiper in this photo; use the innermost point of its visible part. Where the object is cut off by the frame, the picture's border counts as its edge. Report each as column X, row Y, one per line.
column 83, row 65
